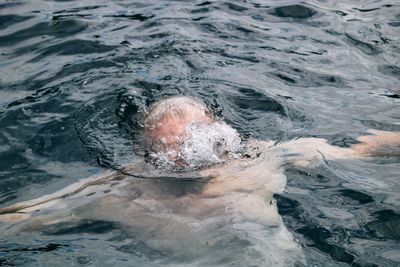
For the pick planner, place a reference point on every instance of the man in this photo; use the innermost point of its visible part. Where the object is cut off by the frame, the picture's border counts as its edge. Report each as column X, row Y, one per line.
column 225, row 214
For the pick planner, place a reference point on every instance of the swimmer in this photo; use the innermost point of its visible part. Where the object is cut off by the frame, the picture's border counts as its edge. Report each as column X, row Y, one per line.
column 228, row 218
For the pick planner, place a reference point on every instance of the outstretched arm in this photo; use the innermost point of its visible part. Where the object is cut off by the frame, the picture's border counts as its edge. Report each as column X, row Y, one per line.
column 308, row 152
column 23, row 210
column 85, row 190
column 378, row 144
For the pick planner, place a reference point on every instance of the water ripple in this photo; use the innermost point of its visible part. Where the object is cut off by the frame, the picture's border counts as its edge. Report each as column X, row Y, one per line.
column 75, row 76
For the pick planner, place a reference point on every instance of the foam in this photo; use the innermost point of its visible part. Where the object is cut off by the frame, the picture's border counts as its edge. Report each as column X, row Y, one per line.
column 203, row 145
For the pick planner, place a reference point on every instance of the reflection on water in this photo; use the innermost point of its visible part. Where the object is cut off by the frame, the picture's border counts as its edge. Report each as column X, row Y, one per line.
column 75, row 76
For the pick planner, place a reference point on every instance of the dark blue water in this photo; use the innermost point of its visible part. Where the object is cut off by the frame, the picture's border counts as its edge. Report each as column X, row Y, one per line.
column 75, row 76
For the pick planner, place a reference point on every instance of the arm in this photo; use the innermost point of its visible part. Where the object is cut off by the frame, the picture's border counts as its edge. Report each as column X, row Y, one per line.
column 90, row 186
column 23, row 210
column 379, row 144
column 308, row 152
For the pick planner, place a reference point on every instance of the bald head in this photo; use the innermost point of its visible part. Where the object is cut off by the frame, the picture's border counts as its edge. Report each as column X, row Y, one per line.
column 182, row 132
column 167, row 121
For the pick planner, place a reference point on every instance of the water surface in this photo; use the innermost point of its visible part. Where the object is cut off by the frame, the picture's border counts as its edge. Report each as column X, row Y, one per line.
column 76, row 74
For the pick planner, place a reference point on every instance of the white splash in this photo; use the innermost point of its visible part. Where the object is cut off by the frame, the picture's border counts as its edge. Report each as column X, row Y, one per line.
column 203, row 145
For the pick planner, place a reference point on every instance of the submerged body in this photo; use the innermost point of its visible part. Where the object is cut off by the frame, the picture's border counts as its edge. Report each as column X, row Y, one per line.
column 229, row 217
